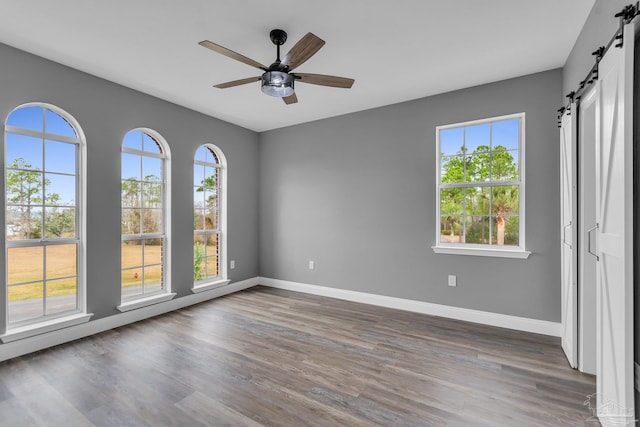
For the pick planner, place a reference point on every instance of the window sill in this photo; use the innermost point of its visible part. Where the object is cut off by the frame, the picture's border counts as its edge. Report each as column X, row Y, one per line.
column 144, row 302
column 44, row 327
column 208, row 286
column 496, row 253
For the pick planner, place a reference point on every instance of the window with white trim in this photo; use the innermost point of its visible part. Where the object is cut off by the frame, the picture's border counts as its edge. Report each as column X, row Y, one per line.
column 43, row 217
column 480, row 196
column 144, row 249
column 208, row 216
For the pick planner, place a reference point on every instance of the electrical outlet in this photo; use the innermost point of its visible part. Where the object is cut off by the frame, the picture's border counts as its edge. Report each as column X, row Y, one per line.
column 453, row 281
column 232, row 264
column 312, row 265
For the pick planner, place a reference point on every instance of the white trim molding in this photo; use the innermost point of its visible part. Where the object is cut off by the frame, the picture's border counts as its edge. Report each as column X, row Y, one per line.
column 45, row 327
column 144, row 302
column 543, row 327
column 209, row 286
column 61, row 336
column 498, row 253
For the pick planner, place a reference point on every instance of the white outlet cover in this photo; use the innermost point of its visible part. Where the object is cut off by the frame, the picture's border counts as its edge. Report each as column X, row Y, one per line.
column 452, row 280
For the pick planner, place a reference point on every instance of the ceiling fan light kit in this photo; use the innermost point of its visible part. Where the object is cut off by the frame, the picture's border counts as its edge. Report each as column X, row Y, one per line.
column 277, row 79
column 277, row 83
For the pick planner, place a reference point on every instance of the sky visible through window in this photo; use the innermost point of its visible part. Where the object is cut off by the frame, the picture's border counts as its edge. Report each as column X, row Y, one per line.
column 502, row 133
column 151, row 169
column 59, row 159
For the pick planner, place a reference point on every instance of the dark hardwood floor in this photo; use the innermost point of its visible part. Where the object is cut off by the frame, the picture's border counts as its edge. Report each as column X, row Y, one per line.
column 272, row 357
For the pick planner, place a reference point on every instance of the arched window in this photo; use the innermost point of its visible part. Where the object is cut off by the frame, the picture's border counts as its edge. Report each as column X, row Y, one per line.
column 44, row 215
column 144, row 215
column 209, row 219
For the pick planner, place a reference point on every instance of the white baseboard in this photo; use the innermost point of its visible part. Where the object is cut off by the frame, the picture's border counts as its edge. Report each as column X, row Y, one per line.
column 483, row 317
column 60, row 336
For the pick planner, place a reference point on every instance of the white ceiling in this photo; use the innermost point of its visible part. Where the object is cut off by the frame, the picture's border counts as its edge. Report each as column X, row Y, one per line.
column 395, row 50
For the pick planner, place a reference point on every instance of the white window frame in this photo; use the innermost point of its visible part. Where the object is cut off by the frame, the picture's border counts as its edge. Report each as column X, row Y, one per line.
column 165, row 294
column 47, row 323
column 484, row 249
column 222, row 278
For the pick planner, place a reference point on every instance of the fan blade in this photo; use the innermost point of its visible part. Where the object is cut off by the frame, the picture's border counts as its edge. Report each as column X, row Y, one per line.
column 292, row 99
column 237, row 82
column 306, row 47
column 231, row 54
column 323, row 80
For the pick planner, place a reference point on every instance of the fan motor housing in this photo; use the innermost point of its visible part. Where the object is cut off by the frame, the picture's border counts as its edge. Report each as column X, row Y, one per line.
column 278, row 37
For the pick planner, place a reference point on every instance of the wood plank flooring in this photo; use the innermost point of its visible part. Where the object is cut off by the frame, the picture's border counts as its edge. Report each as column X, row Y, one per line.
column 277, row 358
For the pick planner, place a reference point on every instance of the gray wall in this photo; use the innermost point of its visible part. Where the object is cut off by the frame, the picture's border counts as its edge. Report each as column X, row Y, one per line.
column 106, row 111
column 356, row 194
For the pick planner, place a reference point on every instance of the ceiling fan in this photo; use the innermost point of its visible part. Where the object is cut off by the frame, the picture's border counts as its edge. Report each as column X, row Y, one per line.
column 278, row 79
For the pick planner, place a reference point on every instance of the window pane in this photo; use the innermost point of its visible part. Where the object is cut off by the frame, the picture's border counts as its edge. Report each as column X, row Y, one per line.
column 62, row 295
column 131, row 166
column 504, row 165
column 450, row 228
column 151, row 169
column 25, row 302
column 211, row 266
column 505, row 230
column 56, row 124
column 478, row 167
column 131, row 281
column 133, row 140
column 152, row 279
column 210, row 177
column 152, row 221
column 60, row 223
column 60, row 157
column 150, row 145
column 24, row 223
column 152, row 195
column 505, row 200
column 130, row 221
column 24, row 187
column 452, row 170
column 198, row 258
column 27, row 118
column 451, row 141
column 451, row 201
column 153, row 251
column 61, row 261
column 198, row 175
column 198, row 198
column 211, row 219
column 477, row 230
column 131, row 253
column 201, row 153
column 25, row 264
column 154, row 287
column 131, row 194
column 478, row 201
column 477, row 138
column 505, row 134
column 198, row 219
column 60, row 190
column 23, row 152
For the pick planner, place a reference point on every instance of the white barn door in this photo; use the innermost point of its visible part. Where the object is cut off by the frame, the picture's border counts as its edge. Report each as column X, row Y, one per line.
column 614, row 198
column 568, row 254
